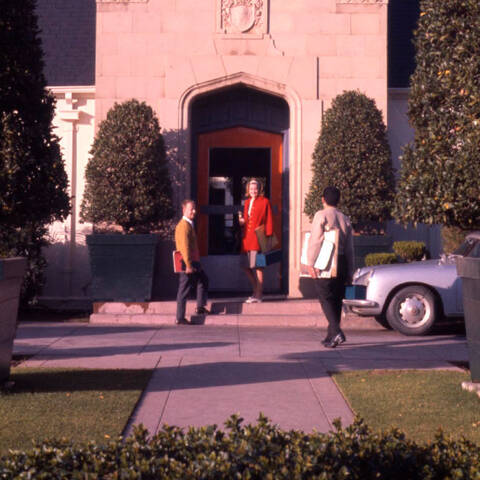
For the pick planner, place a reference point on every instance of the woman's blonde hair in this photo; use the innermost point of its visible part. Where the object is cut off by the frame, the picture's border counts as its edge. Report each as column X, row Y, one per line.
column 258, row 182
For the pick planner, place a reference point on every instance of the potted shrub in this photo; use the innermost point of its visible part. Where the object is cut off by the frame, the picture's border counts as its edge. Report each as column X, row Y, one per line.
column 468, row 269
column 33, row 181
column 127, row 198
column 12, row 271
column 353, row 154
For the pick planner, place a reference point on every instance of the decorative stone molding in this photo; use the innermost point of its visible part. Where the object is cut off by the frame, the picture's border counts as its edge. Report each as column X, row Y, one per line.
column 366, row 2
column 240, row 17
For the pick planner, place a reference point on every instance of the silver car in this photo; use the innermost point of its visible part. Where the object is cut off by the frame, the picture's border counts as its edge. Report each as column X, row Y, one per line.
column 411, row 297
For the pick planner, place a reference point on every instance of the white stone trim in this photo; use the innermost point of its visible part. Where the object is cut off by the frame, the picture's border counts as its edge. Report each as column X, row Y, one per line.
column 74, row 89
column 294, row 149
column 74, row 124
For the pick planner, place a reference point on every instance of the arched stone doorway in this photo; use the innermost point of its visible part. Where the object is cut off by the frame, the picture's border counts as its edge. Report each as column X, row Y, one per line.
column 238, row 132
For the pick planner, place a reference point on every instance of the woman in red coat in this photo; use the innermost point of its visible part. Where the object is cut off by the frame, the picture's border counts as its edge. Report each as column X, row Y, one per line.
column 257, row 211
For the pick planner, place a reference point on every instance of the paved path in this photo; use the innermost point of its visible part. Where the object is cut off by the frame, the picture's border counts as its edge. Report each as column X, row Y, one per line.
column 203, row 374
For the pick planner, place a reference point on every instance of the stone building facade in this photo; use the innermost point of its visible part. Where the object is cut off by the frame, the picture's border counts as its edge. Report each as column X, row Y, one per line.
column 239, row 87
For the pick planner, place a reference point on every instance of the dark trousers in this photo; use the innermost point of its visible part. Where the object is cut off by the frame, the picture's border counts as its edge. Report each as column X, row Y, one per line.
column 330, row 293
column 186, row 283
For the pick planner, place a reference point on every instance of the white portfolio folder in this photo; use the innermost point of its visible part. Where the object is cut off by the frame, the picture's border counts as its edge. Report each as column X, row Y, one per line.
column 326, row 261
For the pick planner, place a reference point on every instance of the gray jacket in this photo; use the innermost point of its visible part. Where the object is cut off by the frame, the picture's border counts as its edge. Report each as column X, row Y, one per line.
column 330, row 217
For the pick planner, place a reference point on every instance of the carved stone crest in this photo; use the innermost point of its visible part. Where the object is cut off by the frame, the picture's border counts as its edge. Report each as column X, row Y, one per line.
column 242, row 16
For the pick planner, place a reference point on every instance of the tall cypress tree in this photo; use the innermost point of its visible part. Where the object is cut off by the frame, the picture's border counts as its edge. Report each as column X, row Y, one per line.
column 439, row 181
column 33, row 181
column 352, row 153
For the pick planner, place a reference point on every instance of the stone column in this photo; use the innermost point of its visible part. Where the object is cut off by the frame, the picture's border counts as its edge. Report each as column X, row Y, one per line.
column 71, row 116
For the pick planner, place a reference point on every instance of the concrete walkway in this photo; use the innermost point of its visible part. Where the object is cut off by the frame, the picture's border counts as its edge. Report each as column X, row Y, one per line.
column 205, row 373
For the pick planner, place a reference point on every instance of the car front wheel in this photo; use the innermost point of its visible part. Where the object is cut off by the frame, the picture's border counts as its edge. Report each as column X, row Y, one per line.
column 412, row 310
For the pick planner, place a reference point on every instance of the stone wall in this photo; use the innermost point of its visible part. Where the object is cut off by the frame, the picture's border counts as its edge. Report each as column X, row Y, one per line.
column 306, row 51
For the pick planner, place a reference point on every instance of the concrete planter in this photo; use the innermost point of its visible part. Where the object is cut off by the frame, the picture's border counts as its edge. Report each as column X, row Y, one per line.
column 122, row 266
column 165, row 281
column 469, row 270
column 12, row 271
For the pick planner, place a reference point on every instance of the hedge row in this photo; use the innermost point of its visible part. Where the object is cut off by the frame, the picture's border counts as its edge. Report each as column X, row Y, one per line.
column 410, row 251
column 259, row 451
column 380, row 259
column 403, row 251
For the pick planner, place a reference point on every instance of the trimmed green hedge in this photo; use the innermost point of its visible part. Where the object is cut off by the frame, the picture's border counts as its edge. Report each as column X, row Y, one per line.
column 380, row 259
column 405, row 251
column 260, row 451
column 410, row 251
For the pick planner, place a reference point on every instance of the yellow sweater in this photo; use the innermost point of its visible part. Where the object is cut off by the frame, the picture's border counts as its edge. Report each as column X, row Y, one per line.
column 186, row 242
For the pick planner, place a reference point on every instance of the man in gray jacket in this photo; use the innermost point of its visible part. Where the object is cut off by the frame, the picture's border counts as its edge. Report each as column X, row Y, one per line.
column 331, row 290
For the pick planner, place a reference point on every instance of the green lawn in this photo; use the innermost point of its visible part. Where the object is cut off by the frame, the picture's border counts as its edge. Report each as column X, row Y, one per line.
column 417, row 402
column 75, row 403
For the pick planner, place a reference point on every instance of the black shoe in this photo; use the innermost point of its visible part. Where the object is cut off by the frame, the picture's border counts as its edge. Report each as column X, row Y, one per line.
column 182, row 321
column 202, row 311
column 336, row 340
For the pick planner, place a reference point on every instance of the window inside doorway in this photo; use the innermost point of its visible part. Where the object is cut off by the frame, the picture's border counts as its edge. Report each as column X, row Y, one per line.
column 229, row 171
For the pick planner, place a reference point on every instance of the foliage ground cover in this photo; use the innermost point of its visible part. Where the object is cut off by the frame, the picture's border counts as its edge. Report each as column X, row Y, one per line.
column 258, row 451
column 79, row 404
column 418, row 402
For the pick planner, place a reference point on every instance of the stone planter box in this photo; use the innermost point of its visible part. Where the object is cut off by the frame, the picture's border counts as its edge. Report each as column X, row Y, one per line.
column 469, row 270
column 122, row 266
column 12, row 271
column 165, row 281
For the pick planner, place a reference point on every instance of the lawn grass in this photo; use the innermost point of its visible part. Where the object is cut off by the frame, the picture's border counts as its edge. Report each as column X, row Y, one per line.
column 418, row 402
column 79, row 404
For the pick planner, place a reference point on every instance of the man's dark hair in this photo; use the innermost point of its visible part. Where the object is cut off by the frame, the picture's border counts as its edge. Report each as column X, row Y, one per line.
column 331, row 196
column 186, row 202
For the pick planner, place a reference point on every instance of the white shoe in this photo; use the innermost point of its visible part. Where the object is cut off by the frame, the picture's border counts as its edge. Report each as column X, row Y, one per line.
column 253, row 300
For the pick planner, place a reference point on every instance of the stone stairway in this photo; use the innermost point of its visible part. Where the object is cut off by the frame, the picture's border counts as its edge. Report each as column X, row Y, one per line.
column 273, row 311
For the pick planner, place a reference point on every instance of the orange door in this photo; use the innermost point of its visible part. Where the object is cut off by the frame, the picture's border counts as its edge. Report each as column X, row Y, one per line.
column 238, row 137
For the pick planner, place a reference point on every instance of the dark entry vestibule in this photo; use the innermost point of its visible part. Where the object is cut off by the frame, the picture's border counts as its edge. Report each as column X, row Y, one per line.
column 238, row 133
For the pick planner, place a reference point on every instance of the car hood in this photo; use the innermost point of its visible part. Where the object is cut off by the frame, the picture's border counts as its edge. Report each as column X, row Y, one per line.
column 409, row 268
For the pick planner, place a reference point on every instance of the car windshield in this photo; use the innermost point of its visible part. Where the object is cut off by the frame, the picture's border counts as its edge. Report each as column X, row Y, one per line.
column 469, row 248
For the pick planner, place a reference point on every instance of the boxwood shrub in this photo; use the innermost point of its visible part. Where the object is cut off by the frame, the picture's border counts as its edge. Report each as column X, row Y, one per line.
column 410, row 251
column 380, row 259
column 259, row 451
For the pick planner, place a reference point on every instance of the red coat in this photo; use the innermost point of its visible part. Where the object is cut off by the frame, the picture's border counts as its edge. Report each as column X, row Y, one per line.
column 261, row 214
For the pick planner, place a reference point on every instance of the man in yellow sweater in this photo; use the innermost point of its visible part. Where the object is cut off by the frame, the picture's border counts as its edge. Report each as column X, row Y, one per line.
column 194, row 276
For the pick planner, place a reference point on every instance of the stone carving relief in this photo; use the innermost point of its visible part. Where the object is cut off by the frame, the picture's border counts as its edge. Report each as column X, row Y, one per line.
column 242, row 16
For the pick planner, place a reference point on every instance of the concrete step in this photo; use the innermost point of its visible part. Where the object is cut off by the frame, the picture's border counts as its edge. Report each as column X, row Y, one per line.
column 226, row 319
column 271, row 312
column 224, row 306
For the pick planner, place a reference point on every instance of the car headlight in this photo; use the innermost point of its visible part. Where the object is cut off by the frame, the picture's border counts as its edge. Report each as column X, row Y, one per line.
column 361, row 277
